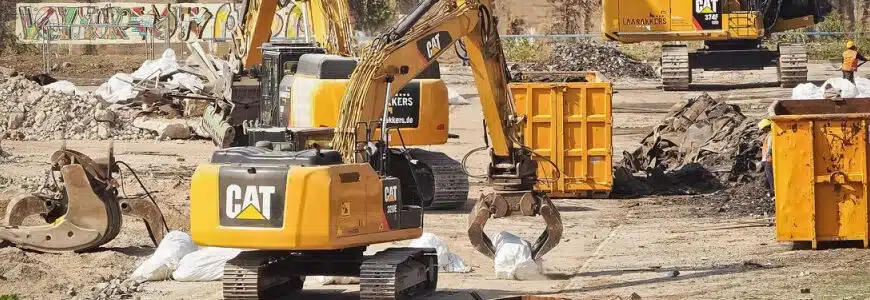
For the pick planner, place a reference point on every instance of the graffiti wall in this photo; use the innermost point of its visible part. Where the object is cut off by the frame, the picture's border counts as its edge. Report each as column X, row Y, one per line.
column 128, row 23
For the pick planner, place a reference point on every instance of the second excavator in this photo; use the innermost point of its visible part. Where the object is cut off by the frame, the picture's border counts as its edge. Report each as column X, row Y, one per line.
column 292, row 92
column 315, row 211
column 734, row 33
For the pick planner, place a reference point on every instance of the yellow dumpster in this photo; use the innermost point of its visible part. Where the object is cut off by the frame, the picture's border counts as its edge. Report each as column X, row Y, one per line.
column 569, row 125
column 820, row 170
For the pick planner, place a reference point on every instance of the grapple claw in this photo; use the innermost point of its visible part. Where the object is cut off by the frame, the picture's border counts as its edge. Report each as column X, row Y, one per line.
column 22, row 207
column 85, row 213
column 86, row 225
column 502, row 204
column 149, row 213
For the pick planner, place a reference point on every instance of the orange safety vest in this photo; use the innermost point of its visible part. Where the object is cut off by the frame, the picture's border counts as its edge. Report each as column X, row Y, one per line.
column 766, row 153
column 850, row 60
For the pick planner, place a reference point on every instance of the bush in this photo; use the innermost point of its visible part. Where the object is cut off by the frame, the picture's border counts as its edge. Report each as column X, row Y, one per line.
column 371, row 15
column 9, row 297
column 525, row 50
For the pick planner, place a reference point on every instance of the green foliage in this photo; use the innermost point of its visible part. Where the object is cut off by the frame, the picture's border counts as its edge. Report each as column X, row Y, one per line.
column 9, row 297
column 525, row 50
column 371, row 15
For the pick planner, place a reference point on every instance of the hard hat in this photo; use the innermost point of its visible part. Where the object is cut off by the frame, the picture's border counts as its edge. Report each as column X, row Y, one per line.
column 764, row 124
column 850, row 45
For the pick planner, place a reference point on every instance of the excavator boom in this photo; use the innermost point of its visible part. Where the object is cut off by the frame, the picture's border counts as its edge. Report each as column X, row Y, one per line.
column 326, row 21
column 400, row 54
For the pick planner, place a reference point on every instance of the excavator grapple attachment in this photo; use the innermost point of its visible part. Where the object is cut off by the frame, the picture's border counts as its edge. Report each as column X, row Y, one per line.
column 149, row 213
column 502, row 204
column 86, row 224
column 80, row 207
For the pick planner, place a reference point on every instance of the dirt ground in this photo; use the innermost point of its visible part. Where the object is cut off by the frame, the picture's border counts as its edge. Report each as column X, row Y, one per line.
column 654, row 247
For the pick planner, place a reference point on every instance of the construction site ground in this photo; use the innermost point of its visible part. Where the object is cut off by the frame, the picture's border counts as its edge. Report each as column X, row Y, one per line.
column 655, row 247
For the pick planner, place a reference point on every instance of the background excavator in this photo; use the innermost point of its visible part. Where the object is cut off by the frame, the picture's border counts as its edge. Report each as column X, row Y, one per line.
column 280, row 91
column 314, row 211
column 733, row 33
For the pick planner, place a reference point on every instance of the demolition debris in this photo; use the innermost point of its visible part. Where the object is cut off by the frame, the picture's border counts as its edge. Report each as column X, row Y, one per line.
column 584, row 55
column 31, row 112
column 702, row 146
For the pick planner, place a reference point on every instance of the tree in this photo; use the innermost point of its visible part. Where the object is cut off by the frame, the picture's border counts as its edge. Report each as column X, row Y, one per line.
column 371, row 15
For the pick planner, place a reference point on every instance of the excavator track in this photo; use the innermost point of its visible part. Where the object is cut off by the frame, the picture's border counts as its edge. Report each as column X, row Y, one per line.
column 257, row 275
column 792, row 67
column 399, row 273
column 451, row 183
column 676, row 71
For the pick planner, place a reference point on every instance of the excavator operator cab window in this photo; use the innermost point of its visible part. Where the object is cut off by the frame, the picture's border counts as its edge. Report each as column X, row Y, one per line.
column 290, row 67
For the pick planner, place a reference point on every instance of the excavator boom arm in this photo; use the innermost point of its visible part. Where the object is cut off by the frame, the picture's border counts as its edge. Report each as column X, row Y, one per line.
column 400, row 54
column 326, row 21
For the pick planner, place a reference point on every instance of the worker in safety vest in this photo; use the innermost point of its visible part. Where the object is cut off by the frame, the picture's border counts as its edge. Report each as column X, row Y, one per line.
column 767, row 155
column 850, row 61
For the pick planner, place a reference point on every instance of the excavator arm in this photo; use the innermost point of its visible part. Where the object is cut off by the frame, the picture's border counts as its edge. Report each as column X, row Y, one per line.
column 326, row 21
column 405, row 50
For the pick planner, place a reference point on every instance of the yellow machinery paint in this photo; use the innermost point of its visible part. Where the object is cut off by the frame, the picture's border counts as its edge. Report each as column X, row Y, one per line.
column 571, row 125
column 350, row 214
column 316, row 102
column 632, row 21
column 820, row 166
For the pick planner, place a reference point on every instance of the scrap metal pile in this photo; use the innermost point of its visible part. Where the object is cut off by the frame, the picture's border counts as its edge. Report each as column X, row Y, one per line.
column 577, row 55
column 701, row 146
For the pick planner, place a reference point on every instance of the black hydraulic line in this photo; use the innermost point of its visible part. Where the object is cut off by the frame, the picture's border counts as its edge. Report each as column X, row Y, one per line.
column 142, row 185
column 409, row 21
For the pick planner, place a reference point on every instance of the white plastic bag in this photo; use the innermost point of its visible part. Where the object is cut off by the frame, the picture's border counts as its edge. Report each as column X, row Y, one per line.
column 206, row 264
column 448, row 262
column 863, row 85
column 847, row 89
column 455, row 98
column 159, row 266
column 513, row 259
column 333, row 280
column 64, row 86
column 807, row 91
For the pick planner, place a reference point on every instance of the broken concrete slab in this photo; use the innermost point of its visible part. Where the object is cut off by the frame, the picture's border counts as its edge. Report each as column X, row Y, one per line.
column 165, row 128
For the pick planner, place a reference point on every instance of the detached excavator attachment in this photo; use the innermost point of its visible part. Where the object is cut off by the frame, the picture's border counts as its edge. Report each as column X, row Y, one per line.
column 501, row 204
column 81, row 208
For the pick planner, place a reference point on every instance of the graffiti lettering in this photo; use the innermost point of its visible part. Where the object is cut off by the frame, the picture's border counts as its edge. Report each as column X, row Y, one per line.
column 122, row 23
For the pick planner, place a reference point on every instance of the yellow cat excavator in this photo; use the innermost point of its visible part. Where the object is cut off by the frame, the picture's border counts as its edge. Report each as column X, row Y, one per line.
column 733, row 32
column 315, row 211
column 296, row 92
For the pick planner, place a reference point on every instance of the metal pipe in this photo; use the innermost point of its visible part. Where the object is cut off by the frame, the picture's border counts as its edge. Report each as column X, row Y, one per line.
column 413, row 17
column 307, row 22
column 384, row 134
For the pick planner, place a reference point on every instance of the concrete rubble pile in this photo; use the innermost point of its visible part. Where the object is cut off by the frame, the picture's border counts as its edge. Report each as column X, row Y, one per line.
column 585, row 55
column 701, row 146
column 164, row 99
column 32, row 112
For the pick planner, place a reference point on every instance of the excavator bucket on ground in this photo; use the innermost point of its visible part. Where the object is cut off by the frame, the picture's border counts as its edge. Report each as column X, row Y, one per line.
column 81, row 208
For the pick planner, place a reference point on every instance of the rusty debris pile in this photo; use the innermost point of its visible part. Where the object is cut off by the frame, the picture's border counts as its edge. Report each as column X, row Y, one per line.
column 576, row 55
column 702, row 146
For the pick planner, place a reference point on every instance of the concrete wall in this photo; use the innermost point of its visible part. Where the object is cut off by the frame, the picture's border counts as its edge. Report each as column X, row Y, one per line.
column 131, row 23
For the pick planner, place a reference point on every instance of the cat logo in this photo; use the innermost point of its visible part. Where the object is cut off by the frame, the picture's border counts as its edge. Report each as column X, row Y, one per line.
column 432, row 45
column 252, row 203
column 391, row 193
column 706, row 6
